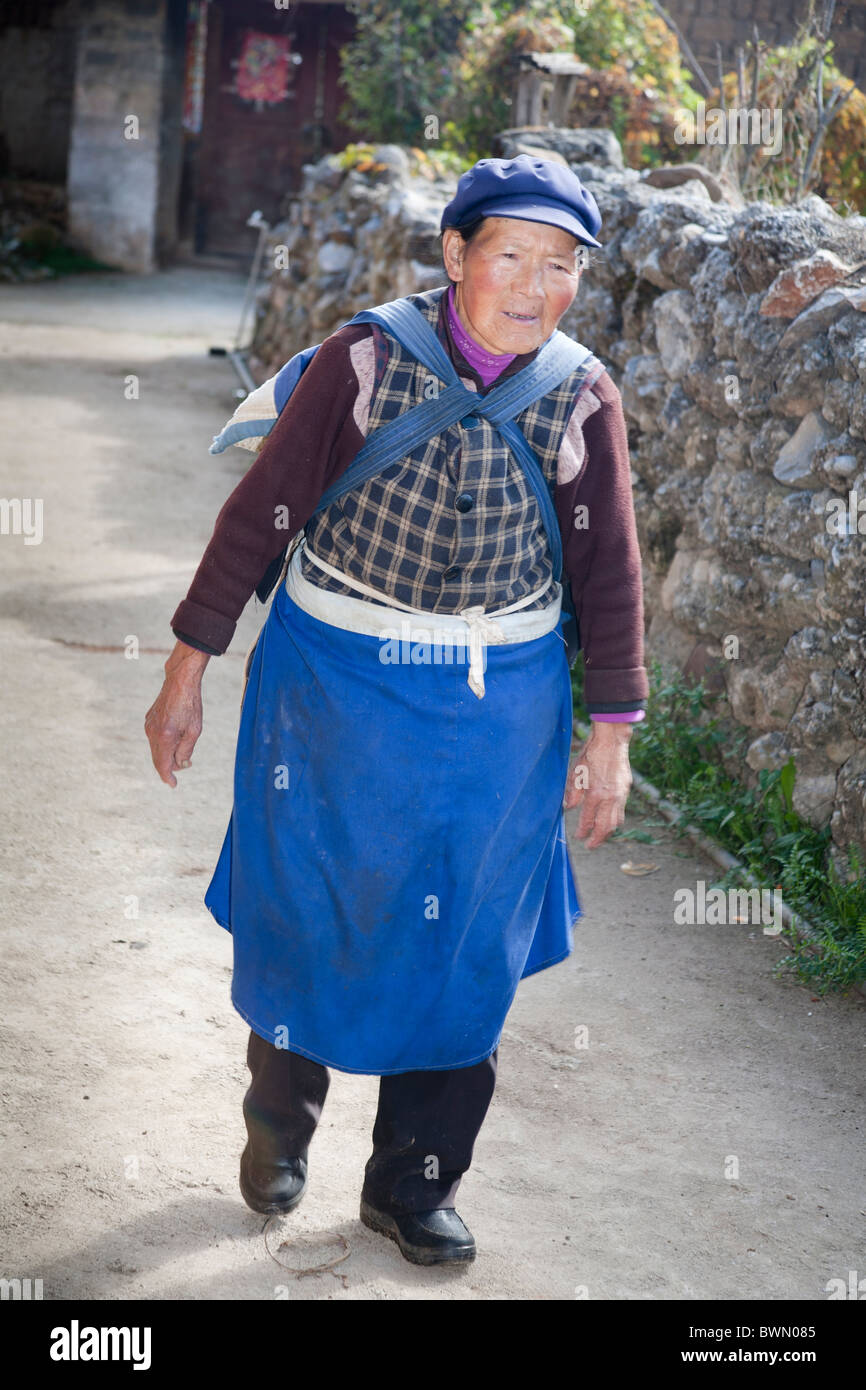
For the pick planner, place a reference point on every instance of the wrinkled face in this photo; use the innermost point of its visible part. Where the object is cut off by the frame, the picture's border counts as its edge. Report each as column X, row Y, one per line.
column 515, row 280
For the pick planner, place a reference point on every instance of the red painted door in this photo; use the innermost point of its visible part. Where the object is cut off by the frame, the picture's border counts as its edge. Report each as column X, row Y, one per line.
column 251, row 151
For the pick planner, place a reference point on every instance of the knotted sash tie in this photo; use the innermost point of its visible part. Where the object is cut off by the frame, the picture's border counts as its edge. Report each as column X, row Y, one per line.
column 483, row 627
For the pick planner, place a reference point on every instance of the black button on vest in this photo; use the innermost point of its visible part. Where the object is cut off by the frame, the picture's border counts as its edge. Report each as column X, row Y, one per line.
column 470, row 421
column 465, row 502
column 452, row 573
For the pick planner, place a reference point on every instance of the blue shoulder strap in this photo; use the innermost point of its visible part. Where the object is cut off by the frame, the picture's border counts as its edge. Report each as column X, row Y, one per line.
column 558, row 358
column 289, row 375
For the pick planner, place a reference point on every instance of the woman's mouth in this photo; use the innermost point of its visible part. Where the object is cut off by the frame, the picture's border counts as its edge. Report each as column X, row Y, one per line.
column 520, row 318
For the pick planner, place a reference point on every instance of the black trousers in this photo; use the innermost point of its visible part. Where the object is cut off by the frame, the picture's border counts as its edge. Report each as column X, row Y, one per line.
column 425, row 1130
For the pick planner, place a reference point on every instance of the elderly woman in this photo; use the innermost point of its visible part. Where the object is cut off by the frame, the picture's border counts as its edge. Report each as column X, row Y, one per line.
column 395, row 861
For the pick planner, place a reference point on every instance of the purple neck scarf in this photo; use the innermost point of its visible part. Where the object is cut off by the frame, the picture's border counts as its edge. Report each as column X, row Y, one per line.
column 488, row 365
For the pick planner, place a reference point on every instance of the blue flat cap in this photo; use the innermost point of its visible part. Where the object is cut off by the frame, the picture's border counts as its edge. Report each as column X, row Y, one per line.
column 537, row 190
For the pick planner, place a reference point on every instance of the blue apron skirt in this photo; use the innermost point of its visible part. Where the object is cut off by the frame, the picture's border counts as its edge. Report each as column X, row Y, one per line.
column 395, row 862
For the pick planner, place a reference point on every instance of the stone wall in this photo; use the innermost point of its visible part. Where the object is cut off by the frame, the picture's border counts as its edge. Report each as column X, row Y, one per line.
column 737, row 338
column 730, row 22
column 114, row 181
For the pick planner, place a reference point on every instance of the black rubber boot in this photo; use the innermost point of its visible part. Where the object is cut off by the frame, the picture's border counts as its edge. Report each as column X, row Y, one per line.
column 273, row 1187
column 423, row 1237
column 281, row 1110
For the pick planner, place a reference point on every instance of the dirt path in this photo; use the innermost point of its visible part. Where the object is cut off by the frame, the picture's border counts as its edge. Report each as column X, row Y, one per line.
column 600, row 1168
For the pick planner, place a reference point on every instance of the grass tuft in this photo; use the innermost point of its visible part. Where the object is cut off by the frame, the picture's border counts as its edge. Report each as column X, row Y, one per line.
column 686, row 750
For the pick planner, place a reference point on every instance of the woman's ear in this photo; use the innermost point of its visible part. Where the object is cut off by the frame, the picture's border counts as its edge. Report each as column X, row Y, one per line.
column 452, row 253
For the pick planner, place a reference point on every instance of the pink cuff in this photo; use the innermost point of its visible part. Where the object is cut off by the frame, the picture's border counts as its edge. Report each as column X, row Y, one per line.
column 633, row 716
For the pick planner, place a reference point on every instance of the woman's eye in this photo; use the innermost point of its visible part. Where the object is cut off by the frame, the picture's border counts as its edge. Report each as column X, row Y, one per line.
column 555, row 264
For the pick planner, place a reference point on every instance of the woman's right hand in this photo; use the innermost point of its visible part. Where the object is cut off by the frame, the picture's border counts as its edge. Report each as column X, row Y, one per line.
column 174, row 720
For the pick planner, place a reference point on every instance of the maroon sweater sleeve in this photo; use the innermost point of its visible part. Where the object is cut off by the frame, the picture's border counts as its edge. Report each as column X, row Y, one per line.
column 602, row 560
column 312, row 442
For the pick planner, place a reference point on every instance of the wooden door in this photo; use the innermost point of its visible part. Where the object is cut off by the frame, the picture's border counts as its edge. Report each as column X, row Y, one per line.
column 250, row 153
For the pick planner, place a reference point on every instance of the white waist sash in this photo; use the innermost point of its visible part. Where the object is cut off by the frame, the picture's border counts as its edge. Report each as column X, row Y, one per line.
column 472, row 626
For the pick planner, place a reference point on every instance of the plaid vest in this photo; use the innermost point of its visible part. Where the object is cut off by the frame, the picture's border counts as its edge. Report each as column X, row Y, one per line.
column 453, row 523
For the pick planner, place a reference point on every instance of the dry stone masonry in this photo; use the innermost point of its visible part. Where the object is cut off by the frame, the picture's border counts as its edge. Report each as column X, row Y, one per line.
column 737, row 337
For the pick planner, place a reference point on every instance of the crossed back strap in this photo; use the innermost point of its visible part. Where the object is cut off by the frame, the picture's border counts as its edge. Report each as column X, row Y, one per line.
column 558, row 357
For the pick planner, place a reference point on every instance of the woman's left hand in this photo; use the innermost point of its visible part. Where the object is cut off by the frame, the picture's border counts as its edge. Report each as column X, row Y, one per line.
column 599, row 782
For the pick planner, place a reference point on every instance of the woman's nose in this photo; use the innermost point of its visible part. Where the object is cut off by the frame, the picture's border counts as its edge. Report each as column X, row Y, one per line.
column 530, row 279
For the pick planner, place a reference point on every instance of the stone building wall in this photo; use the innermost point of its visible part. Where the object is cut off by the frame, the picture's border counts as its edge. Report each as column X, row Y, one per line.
column 730, row 22
column 122, row 191
column 737, row 338
column 37, row 80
